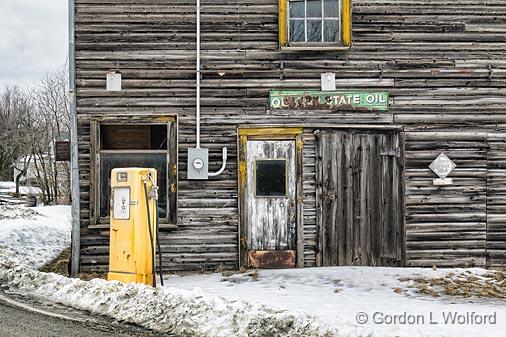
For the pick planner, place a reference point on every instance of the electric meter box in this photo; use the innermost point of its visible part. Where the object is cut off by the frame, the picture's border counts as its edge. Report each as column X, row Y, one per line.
column 198, row 164
column 130, row 255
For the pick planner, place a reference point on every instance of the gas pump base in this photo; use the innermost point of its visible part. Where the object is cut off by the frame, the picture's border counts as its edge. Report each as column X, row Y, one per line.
column 132, row 236
column 130, row 277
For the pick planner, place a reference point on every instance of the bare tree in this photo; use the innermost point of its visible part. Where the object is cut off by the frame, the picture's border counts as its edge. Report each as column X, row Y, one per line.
column 16, row 133
column 30, row 123
column 21, row 167
column 52, row 121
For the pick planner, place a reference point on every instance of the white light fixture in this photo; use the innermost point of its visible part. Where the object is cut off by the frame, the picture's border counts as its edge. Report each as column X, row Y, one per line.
column 114, row 81
column 328, row 81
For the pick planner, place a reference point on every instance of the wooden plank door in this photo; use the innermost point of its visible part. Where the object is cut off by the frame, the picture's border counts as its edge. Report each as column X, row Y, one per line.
column 271, row 200
column 360, row 210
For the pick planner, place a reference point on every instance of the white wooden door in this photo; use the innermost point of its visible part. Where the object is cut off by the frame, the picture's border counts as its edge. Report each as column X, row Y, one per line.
column 271, row 200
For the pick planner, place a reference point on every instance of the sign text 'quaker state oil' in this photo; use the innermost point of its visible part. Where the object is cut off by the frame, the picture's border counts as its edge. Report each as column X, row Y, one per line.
column 328, row 100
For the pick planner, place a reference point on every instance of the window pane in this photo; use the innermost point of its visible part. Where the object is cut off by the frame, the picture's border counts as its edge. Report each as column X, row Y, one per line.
column 109, row 161
column 314, row 8
column 331, row 30
column 331, row 8
column 297, row 9
column 297, row 33
column 314, row 30
column 270, row 178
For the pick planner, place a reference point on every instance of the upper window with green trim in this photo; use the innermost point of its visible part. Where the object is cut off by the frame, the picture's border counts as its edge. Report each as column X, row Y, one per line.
column 315, row 23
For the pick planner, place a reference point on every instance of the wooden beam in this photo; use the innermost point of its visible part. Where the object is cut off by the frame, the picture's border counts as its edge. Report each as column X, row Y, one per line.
column 242, row 179
column 274, row 131
column 299, row 144
column 172, row 172
column 346, row 23
column 283, row 31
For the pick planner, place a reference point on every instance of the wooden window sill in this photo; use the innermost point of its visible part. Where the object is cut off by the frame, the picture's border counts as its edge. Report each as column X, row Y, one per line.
column 289, row 49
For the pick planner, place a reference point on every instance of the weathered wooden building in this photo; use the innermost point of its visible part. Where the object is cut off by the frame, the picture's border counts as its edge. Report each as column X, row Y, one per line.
column 314, row 177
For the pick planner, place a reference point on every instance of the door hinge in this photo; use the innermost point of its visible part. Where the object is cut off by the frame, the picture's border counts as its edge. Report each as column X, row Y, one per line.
column 394, row 153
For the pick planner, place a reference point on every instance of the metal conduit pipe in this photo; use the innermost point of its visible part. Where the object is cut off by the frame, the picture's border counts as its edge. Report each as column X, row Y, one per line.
column 223, row 165
column 198, row 80
column 198, row 74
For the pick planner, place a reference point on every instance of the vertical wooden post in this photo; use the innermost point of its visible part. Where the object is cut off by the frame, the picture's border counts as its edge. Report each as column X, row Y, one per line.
column 242, row 181
column 346, row 24
column 74, row 160
column 94, row 165
column 172, row 170
column 299, row 145
column 402, row 198
column 283, row 31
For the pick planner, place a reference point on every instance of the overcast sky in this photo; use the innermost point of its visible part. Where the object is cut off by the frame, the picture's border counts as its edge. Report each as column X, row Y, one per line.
column 33, row 39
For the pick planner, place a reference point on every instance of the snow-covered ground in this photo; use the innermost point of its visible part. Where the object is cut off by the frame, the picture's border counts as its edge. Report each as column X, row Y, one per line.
column 340, row 296
column 10, row 187
column 36, row 234
column 301, row 302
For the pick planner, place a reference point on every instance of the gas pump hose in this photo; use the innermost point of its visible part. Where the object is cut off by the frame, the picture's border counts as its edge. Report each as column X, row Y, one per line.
column 153, row 270
column 159, row 245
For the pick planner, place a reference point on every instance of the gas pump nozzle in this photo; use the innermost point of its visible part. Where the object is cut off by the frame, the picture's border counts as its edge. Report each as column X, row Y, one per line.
column 153, row 190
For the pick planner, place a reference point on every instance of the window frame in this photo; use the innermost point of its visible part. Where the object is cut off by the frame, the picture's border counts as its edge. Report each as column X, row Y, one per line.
column 98, row 222
column 345, row 30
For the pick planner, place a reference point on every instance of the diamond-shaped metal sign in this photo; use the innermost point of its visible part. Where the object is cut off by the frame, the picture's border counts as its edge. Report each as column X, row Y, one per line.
column 442, row 166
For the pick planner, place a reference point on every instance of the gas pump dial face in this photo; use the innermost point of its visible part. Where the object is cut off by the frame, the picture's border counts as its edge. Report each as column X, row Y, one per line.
column 198, row 164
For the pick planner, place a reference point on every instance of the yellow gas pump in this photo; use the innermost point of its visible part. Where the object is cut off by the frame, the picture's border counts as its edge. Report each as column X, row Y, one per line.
column 134, row 194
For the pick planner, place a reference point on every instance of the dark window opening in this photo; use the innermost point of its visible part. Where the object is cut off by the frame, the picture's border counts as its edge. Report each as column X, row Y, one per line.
column 270, row 178
column 125, row 146
column 133, row 137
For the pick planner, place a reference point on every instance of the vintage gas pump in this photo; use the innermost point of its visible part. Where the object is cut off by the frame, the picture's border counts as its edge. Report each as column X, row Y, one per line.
column 134, row 226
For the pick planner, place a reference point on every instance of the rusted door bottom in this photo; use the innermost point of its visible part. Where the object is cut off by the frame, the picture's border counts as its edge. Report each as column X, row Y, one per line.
column 271, row 258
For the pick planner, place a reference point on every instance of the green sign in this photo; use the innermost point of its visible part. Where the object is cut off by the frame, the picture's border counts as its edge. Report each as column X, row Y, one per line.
column 328, row 100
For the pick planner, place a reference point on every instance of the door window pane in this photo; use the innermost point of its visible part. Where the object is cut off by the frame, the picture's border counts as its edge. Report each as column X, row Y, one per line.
column 331, row 8
column 314, row 8
column 297, row 9
column 314, row 31
column 109, row 161
column 297, row 33
column 270, row 178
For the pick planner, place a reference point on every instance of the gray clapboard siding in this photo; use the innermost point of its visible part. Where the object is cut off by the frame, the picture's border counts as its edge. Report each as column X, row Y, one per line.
column 496, row 201
column 446, row 225
column 443, row 63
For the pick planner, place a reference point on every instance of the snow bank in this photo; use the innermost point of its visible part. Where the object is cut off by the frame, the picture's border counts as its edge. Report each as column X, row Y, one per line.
column 26, row 244
column 180, row 312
